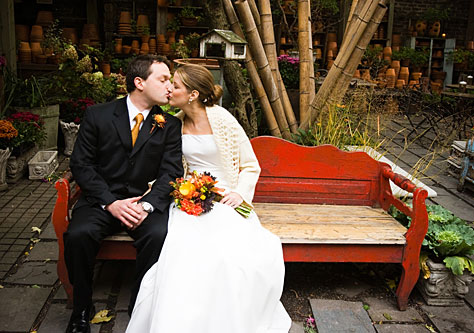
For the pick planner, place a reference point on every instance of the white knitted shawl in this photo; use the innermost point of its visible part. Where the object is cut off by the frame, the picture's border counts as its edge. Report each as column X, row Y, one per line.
column 228, row 135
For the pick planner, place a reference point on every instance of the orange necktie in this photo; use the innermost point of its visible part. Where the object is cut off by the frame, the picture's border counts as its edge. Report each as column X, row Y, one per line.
column 138, row 118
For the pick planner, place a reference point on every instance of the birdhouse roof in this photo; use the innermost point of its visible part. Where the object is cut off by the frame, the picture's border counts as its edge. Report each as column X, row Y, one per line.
column 228, row 35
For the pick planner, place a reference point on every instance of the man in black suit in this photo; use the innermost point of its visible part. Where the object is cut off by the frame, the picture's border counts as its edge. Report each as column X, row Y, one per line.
column 121, row 146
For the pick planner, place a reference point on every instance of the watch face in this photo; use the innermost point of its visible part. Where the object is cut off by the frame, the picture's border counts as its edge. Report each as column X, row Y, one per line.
column 146, row 207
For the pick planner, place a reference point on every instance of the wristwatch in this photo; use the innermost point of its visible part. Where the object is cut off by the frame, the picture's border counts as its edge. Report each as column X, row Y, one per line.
column 147, row 207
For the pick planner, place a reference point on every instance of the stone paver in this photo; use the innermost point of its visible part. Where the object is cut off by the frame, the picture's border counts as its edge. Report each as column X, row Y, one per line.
column 44, row 251
column 57, row 319
column 109, row 271
column 470, row 296
column 340, row 316
column 383, row 309
column 451, row 319
column 121, row 322
column 19, row 307
column 40, row 273
column 399, row 328
column 127, row 267
column 296, row 328
column 48, row 232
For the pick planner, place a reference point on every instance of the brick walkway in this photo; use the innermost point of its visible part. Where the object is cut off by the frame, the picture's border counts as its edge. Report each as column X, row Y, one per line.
column 32, row 299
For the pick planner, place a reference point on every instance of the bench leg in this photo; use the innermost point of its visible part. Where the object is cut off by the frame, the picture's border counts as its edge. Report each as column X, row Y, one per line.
column 410, row 274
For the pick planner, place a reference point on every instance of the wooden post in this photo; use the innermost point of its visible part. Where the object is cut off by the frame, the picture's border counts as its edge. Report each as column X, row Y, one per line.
column 268, row 40
column 303, row 48
column 7, row 33
column 312, row 80
column 255, row 44
column 253, row 74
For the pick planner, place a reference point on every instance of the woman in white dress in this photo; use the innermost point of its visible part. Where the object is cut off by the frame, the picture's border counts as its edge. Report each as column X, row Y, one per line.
column 217, row 272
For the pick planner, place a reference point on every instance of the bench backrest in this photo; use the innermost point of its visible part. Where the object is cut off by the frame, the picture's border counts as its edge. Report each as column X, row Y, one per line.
column 324, row 174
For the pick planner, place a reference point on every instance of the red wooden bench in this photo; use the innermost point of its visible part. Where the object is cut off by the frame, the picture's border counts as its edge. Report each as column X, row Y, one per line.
column 326, row 205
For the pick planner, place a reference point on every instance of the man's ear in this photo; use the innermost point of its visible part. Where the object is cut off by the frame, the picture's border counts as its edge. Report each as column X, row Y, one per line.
column 139, row 82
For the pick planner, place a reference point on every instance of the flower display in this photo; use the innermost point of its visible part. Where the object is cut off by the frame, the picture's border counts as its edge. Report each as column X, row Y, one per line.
column 7, row 133
column 72, row 111
column 158, row 120
column 30, row 129
column 290, row 71
column 197, row 194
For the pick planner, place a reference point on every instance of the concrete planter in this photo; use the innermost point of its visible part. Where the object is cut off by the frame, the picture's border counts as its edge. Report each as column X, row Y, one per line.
column 70, row 131
column 443, row 288
column 17, row 165
column 4, row 155
column 50, row 116
column 43, row 164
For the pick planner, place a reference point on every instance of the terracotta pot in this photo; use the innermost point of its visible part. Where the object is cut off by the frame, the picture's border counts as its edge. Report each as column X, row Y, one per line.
column 332, row 37
column 71, row 35
column 330, row 63
column 145, row 38
column 126, row 49
column 171, row 40
column 135, row 44
column 357, row 74
column 396, row 65
column 90, row 31
column 387, row 51
column 125, row 17
column 118, row 47
column 435, row 29
column 162, row 3
column 160, row 38
column 400, row 83
column 25, row 46
column 404, row 74
column 189, row 21
column 105, row 68
column 44, row 18
column 41, row 59
column 22, row 32
column 152, row 42
column 390, row 77
column 470, row 45
column 142, row 20
column 36, row 34
column 420, row 28
column 333, row 47
column 144, row 48
column 416, row 75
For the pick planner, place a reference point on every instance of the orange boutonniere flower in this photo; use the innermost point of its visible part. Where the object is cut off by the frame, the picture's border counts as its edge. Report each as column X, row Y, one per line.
column 158, row 120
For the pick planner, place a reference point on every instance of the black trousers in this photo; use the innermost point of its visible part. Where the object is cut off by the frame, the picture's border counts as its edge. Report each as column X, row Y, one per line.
column 88, row 227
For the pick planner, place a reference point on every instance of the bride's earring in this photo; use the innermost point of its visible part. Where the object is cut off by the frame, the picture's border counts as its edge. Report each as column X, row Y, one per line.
column 190, row 100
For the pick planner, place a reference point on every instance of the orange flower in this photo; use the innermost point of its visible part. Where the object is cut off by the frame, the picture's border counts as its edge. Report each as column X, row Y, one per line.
column 158, row 120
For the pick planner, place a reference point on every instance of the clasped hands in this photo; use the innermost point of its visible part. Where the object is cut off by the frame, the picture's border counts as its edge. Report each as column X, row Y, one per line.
column 128, row 211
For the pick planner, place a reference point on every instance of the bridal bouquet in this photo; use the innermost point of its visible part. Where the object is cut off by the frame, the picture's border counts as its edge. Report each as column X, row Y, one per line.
column 197, row 194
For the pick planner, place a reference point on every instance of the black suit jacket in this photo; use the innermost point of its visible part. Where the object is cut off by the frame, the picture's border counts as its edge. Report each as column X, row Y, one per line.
column 108, row 168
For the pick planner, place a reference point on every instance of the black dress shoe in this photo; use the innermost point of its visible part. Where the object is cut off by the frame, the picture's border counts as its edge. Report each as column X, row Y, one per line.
column 79, row 322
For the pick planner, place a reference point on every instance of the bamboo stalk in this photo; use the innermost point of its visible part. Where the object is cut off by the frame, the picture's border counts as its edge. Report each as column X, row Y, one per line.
column 312, row 82
column 332, row 83
column 252, row 70
column 268, row 40
column 256, row 16
column 263, row 67
column 349, row 18
column 303, row 49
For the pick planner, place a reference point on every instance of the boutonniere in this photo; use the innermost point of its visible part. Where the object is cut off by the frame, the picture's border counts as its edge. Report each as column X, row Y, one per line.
column 158, row 120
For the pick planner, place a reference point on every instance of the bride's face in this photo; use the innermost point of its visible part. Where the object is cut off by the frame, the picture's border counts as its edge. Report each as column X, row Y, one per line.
column 179, row 95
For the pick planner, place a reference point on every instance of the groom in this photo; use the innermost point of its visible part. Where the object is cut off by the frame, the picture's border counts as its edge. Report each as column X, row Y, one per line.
column 121, row 146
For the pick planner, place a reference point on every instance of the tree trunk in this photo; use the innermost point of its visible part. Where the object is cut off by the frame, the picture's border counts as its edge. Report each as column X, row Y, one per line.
column 243, row 109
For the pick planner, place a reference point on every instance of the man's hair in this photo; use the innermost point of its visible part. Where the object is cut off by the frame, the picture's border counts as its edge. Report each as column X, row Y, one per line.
column 141, row 67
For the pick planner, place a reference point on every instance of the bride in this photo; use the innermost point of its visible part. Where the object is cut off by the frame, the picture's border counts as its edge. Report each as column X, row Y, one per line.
column 217, row 272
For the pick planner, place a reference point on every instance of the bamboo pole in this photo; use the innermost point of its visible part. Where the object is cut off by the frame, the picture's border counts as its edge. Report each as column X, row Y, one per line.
column 312, row 81
column 253, row 74
column 263, row 67
column 358, row 52
column 256, row 16
column 303, row 49
column 268, row 40
column 349, row 18
column 357, row 28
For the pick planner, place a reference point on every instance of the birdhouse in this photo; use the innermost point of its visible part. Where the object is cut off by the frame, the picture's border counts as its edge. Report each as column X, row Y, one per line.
column 222, row 44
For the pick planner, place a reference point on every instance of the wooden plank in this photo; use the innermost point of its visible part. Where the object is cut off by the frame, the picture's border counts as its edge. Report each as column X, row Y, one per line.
column 7, row 33
column 383, row 253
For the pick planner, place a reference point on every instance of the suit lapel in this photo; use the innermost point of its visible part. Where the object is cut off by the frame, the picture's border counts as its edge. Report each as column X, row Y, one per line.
column 122, row 123
column 144, row 133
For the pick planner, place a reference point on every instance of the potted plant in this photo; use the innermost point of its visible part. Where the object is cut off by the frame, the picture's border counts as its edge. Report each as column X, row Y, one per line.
column 171, row 27
column 419, row 59
column 188, row 16
column 192, row 41
column 446, row 267
column 180, row 50
column 460, row 58
column 71, row 113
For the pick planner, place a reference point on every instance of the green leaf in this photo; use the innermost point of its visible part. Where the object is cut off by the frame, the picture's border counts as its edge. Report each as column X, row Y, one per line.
column 366, row 307
column 387, row 316
column 458, row 264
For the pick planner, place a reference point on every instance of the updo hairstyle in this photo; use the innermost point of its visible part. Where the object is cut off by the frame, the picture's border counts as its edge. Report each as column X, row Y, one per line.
column 196, row 77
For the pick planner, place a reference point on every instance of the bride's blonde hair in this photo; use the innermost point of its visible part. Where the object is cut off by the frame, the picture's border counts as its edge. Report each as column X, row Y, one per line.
column 197, row 77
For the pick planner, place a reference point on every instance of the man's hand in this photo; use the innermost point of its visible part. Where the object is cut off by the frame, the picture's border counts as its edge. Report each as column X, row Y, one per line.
column 128, row 211
column 232, row 199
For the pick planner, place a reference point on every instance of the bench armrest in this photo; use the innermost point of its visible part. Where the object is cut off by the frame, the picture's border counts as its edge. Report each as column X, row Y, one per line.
column 66, row 199
column 418, row 214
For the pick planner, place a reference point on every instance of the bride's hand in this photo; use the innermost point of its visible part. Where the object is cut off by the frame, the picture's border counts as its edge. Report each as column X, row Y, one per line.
column 232, row 199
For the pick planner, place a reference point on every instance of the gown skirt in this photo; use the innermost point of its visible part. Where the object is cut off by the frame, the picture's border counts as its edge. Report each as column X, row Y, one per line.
column 217, row 272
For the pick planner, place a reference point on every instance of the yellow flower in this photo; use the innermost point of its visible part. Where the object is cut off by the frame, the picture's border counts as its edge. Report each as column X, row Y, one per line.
column 203, row 197
column 159, row 120
column 187, row 189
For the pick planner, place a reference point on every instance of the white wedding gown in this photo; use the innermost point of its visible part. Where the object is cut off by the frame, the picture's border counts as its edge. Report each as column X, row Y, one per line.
column 217, row 272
